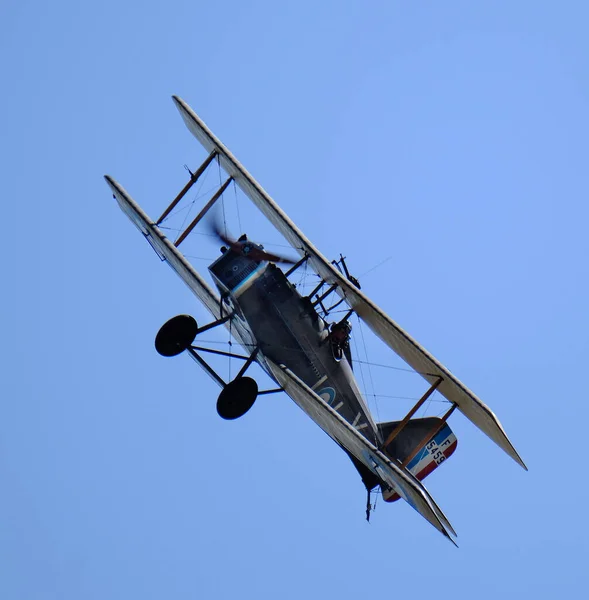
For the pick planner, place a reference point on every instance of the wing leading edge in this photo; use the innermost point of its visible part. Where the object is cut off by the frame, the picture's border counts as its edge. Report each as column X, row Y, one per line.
column 405, row 484
column 164, row 248
column 400, row 480
column 381, row 324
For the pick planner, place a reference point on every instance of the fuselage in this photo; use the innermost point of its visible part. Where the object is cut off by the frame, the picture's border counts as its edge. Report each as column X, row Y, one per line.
column 287, row 329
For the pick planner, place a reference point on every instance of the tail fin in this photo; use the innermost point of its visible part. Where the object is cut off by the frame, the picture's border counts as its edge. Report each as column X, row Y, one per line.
column 440, row 447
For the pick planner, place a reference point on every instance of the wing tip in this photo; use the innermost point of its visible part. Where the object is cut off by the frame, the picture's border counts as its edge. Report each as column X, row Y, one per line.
column 511, row 451
column 112, row 184
column 189, row 117
column 115, row 186
column 449, row 531
column 182, row 107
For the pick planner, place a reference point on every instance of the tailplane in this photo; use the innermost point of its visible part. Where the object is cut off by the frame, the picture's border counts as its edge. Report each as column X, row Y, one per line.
column 436, row 450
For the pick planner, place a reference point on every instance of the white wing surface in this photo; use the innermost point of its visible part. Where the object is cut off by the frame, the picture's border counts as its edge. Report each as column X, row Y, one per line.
column 401, row 480
column 165, row 249
column 380, row 323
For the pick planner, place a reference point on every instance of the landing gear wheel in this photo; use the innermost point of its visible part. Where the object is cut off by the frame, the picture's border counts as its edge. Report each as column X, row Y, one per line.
column 237, row 398
column 176, row 335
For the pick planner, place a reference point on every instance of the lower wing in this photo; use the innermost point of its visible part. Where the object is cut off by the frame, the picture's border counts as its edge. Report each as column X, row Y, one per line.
column 399, row 480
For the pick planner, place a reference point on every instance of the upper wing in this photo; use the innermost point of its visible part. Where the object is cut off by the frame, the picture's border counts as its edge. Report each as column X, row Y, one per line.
column 400, row 480
column 382, row 325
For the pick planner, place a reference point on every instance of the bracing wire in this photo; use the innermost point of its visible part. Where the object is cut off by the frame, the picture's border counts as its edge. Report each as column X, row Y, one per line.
column 190, row 205
column 411, row 398
column 360, row 362
column 237, row 207
column 369, row 369
column 382, row 262
column 426, row 407
column 222, row 198
column 303, row 276
column 210, row 260
column 363, row 377
column 230, row 345
column 405, row 369
column 428, row 404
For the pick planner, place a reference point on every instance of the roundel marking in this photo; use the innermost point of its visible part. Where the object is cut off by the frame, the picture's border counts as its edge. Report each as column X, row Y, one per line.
column 327, row 394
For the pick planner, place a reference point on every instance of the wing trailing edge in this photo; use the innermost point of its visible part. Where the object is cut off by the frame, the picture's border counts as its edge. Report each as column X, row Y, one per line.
column 400, row 480
column 379, row 322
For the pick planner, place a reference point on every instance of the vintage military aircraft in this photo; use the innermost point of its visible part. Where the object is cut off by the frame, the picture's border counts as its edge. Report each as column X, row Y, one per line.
column 298, row 343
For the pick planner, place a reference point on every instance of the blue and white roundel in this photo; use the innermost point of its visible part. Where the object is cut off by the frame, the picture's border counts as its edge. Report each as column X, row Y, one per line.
column 327, row 394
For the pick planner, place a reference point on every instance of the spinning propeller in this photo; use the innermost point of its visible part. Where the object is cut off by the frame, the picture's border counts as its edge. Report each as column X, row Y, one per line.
column 245, row 247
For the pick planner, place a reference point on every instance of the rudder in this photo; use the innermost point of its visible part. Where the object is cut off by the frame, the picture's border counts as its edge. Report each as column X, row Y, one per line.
column 438, row 448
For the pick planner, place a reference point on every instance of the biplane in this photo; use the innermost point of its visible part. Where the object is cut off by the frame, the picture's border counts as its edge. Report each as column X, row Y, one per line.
column 296, row 340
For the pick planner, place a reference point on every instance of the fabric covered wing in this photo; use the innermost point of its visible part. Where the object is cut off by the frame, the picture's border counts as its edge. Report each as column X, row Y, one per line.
column 380, row 323
column 399, row 480
column 165, row 249
column 428, row 367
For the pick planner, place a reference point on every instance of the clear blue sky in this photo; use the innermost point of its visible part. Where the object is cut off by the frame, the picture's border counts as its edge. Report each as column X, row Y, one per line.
column 451, row 136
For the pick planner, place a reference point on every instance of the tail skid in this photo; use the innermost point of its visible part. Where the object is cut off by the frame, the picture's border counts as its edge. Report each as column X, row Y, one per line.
column 402, row 481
